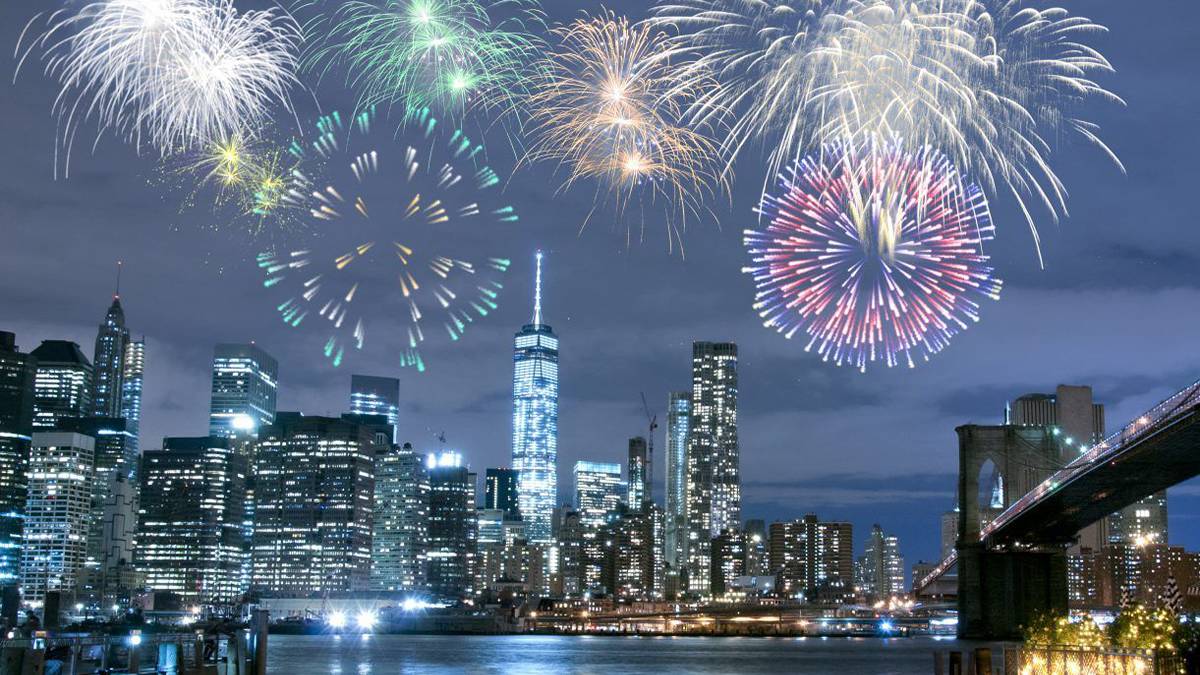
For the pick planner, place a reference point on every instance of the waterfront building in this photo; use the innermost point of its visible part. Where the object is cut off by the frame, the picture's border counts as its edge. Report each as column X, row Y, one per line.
column 1141, row 523
column 401, row 534
column 131, row 392
column 452, row 523
column 571, row 553
column 1131, row 573
column 730, row 560
column 679, row 411
column 244, row 383
column 57, row 513
column 633, row 566
column 535, row 419
column 502, row 554
column 638, row 472
column 108, row 363
column 597, row 492
column 881, row 568
column 371, row 395
column 313, row 503
column 812, row 559
column 63, row 385
column 714, row 501
column 17, row 374
column 500, row 488
column 756, row 548
column 191, row 539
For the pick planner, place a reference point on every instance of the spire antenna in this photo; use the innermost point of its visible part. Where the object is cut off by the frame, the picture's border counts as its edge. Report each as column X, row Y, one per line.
column 117, row 294
column 537, row 292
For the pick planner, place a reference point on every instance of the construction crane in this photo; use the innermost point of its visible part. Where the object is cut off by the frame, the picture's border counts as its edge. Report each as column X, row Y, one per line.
column 652, row 419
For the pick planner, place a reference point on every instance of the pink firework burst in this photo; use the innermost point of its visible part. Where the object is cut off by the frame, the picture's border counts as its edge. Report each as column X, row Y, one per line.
column 874, row 252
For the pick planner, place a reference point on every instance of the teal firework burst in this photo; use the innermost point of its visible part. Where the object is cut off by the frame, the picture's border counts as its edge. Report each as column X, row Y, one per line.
column 389, row 210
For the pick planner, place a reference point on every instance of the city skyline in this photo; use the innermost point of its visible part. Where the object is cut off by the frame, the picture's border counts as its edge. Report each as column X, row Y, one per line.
column 629, row 315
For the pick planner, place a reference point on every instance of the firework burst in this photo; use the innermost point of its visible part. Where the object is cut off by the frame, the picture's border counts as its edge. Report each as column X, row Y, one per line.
column 165, row 73
column 610, row 108
column 991, row 82
column 874, row 252
column 446, row 55
column 391, row 209
column 248, row 182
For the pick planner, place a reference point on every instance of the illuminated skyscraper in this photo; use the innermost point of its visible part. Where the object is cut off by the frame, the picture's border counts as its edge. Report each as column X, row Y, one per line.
column 115, row 455
column 131, row 391
column 313, row 499
column 401, row 533
column 452, row 523
column 812, row 559
column 639, row 479
column 63, row 386
column 714, row 492
column 597, row 492
column 191, row 538
column 17, row 374
column 881, row 568
column 108, row 362
column 500, row 491
column 57, row 513
column 370, row 395
column 244, row 379
column 679, row 410
column 535, row 420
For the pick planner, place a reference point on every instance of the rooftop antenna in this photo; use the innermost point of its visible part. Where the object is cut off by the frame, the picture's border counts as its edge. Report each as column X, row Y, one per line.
column 117, row 294
column 537, row 292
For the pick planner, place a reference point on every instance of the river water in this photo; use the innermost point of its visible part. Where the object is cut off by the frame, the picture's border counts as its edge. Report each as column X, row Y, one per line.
column 599, row 655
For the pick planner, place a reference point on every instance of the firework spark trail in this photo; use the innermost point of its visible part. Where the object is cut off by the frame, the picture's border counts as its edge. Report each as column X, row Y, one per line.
column 446, row 55
column 383, row 246
column 991, row 82
column 610, row 108
column 166, row 73
column 248, row 182
column 874, row 252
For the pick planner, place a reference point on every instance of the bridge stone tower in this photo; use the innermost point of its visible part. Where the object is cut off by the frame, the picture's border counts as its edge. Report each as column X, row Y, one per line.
column 1001, row 590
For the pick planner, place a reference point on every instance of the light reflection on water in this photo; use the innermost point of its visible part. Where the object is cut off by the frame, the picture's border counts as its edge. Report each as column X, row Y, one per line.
column 597, row 655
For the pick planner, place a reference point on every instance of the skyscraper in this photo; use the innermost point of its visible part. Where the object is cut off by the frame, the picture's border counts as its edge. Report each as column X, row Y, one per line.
column 244, row 380
column 131, row 390
column 401, row 534
column 57, row 513
column 371, row 395
column 500, row 491
column 679, row 410
column 108, row 362
column 451, row 525
column 17, row 374
column 63, row 385
column 535, row 420
column 314, row 492
column 115, row 456
column 597, row 492
column 639, row 479
column 812, row 558
column 191, row 538
column 714, row 492
column 881, row 568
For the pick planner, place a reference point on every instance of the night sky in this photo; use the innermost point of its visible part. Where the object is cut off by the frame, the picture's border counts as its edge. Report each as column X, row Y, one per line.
column 1115, row 306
